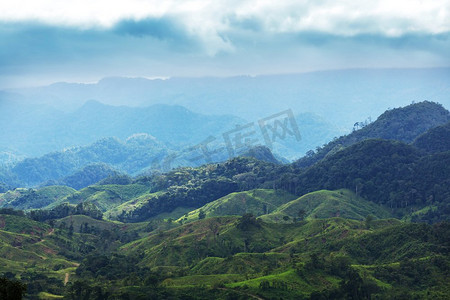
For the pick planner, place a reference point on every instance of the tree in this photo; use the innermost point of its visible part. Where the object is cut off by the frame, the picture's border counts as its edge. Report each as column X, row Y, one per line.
column 11, row 289
column 71, row 229
column 368, row 220
column 201, row 214
column 301, row 214
column 247, row 221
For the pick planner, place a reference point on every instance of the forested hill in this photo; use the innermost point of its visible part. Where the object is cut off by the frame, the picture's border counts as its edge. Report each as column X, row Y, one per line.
column 33, row 130
column 133, row 155
column 386, row 172
column 396, row 175
column 401, row 124
column 435, row 140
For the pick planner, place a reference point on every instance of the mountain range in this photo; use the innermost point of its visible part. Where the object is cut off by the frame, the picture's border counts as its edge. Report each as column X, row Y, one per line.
column 365, row 216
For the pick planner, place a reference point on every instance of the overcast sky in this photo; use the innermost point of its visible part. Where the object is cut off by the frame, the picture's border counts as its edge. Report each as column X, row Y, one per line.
column 43, row 41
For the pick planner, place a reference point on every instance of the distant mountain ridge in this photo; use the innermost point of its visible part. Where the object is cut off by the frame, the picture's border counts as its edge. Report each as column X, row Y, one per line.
column 136, row 153
column 338, row 95
column 36, row 130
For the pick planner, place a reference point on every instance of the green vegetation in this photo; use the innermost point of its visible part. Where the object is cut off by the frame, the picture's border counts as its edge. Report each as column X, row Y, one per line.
column 403, row 124
column 22, row 198
column 326, row 204
column 105, row 196
column 11, row 289
column 257, row 202
column 434, row 140
column 223, row 256
column 368, row 221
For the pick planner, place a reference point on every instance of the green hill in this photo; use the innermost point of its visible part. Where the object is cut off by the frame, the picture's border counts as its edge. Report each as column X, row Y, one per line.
column 104, row 228
column 257, row 202
column 327, row 204
column 225, row 236
column 29, row 248
column 261, row 153
column 434, row 140
column 88, row 175
column 390, row 173
column 104, row 196
column 22, row 198
column 401, row 124
column 223, row 257
column 295, row 260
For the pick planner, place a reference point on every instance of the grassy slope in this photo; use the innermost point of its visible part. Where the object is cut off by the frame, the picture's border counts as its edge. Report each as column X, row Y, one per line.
column 276, row 250
column 220, row 237
column 100, row 225
column 327, row 204
column 257, row 202
column 127, row 206
column 105, row 197
column 219, row 252
column 23, row 198
column 27, row 245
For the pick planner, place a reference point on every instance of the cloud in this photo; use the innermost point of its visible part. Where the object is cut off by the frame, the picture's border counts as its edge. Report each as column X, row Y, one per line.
column 31, row 42
column 209, row 21
column 160, row 28
column 197, row 37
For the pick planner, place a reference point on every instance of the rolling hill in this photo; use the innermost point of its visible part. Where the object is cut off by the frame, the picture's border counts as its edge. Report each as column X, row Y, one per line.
column 434, row 140
column 257, row 202
column 327, row 204
column 31, row 199
column 403, row 124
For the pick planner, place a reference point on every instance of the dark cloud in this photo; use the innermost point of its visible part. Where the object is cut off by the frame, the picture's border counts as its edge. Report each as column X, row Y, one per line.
column 27, row 45
column 160, row 28
column 162, row 46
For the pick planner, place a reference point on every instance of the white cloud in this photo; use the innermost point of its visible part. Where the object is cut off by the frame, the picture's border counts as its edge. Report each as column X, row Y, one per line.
column 214, row 37
column 207, row 20
column 206, row 16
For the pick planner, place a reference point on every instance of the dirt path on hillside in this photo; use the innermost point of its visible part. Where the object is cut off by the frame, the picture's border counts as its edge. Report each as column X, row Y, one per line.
column 66, row 279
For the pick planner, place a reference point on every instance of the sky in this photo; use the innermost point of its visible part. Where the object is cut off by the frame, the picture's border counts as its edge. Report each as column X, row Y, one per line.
column 45, row 41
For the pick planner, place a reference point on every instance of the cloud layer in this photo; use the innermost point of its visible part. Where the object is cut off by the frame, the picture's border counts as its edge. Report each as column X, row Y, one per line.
column 146, row 37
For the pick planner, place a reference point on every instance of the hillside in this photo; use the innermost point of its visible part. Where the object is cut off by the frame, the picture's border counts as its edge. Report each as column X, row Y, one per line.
column 403, row 124
column 45, row 256
column 296, row 260
column 261, row 153
column 434, row 140
column 142, row 153
column 327, row 204
column 82, row 166
column 394, row 175
column 225, row 256
column 28, row 248
column 34, row 198
column 256, row 202
column 104, row 196
column 389, row 173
